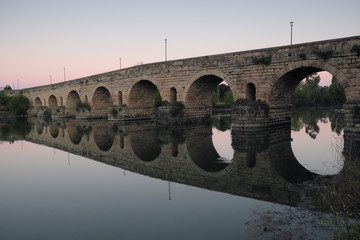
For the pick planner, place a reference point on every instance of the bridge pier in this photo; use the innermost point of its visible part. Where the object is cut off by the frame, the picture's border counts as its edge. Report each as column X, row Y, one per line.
column 258, row 114
column 125, row 113
column 177, row 113
column 43, row 112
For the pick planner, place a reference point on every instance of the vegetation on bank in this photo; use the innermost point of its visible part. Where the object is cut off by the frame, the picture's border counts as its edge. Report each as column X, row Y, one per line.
column 310, row 93
column 17, row 105
column 340, row 196
column 14, row 129
column 222, row 97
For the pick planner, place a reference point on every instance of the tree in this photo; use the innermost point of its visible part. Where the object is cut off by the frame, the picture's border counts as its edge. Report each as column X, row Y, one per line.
column 228, row 98
column 4, row 99
column 7, row 87
column 337, row 92
column 158, row 100
column 223, row 89
column 309, row 93
column 19, row 104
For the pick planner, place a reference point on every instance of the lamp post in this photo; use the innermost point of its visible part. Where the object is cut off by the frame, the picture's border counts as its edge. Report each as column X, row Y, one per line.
column 165, row 49
column 291, row 25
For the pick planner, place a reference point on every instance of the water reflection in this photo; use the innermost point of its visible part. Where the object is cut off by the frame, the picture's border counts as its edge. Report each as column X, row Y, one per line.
column 259, row 164
column 318, row 139
column 310, row 118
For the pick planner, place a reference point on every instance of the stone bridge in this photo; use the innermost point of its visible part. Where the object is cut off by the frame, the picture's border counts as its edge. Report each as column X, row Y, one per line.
column 270, row 75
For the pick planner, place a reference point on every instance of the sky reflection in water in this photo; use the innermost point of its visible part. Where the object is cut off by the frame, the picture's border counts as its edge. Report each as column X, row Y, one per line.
column 47, row 193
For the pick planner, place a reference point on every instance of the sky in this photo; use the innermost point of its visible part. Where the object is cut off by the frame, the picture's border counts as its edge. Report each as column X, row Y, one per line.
column 38, row 39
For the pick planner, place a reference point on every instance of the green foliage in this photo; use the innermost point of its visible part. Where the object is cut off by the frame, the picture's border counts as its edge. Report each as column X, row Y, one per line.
column 309, row 93
column 158, row 100
column 4, row 99
column 114, row 112
column 356, row 49
column 82, row 106
column 302, row 56
column 266, row 60
column 222, row 123
column 17, row 128
column 228, row 98
column 310, row 117
column 19, row 104
column 325, row 55
column 7, row 87
column 340, row 196
column 176, row 108
column 225, row 97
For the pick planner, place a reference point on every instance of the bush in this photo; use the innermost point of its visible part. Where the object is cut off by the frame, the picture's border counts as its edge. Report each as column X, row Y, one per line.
column 158, row 100
column 82, row 105
column 176, row 108
column 4, row 99
column 325, row 55
column 302, row 56
column 356, row 49
column 261, row 60
column 19, row 105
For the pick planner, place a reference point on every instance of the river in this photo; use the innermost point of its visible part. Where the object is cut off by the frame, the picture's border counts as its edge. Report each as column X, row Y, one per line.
column 71, row 179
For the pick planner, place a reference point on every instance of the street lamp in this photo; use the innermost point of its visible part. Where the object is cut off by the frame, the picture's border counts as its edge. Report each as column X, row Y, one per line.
column 291, row 25
column 165, row 49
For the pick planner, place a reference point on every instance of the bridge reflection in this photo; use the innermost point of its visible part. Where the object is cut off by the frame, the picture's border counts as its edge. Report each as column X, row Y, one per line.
column 263, row 165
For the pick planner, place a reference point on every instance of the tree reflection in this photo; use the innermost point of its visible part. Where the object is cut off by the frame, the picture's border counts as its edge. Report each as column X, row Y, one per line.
column 14, row 129
column 309, row 119
column 222, row 122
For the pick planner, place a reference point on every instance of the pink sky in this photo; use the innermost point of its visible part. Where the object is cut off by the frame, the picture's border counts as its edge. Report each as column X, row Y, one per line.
column 40, row 38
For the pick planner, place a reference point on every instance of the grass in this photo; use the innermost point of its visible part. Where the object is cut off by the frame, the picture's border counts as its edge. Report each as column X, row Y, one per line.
column 340, row 196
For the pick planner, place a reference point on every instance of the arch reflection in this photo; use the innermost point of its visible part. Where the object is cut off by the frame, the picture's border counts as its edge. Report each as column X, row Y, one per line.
column 263, row 164
column 145, row 145
column 203, row 153
column 54, row 131
column 102, row 136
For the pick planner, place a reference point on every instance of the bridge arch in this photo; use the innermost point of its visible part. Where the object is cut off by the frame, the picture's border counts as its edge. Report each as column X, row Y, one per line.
column 285, row 80
column 200, row 87
column 142, row 94
column 73, row 98
column 37, row 103
column 251, row 91
column 173, row 95
column 101, row 101
column 52, row 102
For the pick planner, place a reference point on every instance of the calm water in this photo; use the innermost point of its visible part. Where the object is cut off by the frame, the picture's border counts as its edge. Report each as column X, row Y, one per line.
column 94, row 180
